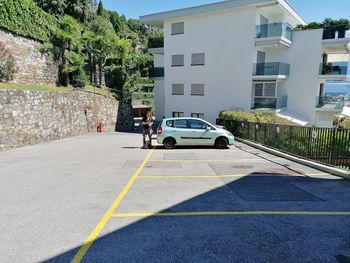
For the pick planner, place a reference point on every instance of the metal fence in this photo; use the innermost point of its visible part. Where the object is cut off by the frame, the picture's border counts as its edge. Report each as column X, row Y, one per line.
column 329, row 146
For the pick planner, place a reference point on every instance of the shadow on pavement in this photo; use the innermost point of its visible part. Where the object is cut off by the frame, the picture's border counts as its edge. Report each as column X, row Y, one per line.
column 236, row 238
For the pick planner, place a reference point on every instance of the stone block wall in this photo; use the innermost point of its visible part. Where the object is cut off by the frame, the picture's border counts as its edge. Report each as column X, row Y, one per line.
column 31, row 117
column 33, row 66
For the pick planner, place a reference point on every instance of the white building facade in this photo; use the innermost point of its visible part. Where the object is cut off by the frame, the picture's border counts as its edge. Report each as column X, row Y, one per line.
column 245, row 55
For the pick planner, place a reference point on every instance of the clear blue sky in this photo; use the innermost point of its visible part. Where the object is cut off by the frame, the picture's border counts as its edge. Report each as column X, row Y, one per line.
column 311, row 10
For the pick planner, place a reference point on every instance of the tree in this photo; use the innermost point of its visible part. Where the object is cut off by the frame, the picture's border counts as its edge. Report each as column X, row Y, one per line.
column 67, row 37
column 82, row 10
column 56, row 7
column 328, row 22
column 100, row 9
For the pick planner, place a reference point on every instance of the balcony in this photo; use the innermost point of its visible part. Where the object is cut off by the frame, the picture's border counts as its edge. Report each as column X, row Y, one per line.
column 274, row 35
column 156, row 45
column 270, row 103
column 334, row 71
column 336, row 40
column 330, row 104
column 156, row 73
column 271, row 70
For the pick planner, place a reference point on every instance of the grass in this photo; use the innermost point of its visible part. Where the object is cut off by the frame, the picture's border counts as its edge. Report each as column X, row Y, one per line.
column 46, row 88
column 31, row 87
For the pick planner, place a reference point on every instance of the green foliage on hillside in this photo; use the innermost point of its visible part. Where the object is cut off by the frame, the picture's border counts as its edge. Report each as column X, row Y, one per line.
column 91, row 41
column 328, row 22
column 82, row 10
column 25, row 18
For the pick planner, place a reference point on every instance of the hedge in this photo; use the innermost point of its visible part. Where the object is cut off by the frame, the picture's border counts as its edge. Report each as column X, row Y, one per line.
column 25, row 18
column 253, row 117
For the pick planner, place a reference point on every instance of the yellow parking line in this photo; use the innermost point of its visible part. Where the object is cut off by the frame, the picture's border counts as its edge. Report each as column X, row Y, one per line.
column 97, row 230
column 231, row 213
column 216, row 176
column 215, row 161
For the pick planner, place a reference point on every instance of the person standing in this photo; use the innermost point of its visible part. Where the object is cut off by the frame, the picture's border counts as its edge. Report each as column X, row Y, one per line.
column 147, row 122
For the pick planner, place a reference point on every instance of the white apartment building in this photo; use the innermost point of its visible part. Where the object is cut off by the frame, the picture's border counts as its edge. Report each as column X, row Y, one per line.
column 244, row 54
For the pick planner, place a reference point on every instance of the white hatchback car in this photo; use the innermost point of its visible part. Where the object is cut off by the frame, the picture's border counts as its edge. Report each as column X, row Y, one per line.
column 192, row 132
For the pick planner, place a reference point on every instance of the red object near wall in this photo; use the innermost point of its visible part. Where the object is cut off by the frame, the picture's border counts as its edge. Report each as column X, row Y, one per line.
column 100, row 127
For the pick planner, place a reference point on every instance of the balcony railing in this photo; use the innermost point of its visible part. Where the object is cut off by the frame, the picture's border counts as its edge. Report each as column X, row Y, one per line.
column 271, row 69
column 156, row 42
column 335, row 68
column 336, row 32
column 270, row 103
column 157, row 73
column 332, row 102
column 274, row 30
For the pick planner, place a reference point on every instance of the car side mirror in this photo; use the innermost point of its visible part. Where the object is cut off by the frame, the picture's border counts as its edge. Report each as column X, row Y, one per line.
column 208, row 128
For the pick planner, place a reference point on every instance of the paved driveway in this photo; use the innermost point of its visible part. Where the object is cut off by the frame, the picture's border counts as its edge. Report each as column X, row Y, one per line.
column 99, row 198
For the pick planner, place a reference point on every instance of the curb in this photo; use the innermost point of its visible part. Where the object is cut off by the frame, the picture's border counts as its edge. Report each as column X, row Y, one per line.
column 325, row 168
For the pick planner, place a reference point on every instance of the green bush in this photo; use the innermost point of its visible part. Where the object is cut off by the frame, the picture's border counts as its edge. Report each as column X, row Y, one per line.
column 7, row 63
column 252, row 117
column 25, row 18
column 345, row 123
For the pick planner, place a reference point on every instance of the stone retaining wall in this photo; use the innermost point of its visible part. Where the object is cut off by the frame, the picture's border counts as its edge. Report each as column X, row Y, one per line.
column 33, row 66
column 31, row 117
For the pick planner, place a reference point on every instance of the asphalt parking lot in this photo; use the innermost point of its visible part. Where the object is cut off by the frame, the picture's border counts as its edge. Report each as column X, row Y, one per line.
column 100, row 198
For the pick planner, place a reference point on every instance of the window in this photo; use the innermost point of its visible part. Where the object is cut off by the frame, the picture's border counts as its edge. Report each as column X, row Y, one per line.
column 259, row 90
column 177, row 28
column 198, row 59
column 197, row 89
column 270, row 90
column 197, row 115
column 178, row 89
column 170, row 123
column 198, row 125
column 182, row 124
column 177, row 60
column 178, row 114
column 266, row 89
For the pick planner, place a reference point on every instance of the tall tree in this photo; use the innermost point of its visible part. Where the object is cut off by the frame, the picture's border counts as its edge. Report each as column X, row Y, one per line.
column 68, row 37
column 100, row 9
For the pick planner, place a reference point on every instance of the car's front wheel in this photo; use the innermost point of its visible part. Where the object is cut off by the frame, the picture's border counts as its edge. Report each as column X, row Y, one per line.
column 221, row 143
column 169, row 143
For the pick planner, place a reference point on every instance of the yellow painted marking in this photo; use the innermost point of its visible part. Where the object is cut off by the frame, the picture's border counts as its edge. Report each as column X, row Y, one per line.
column 216, row 176
column 214, row 161
column 94, row 234
column 236, row 213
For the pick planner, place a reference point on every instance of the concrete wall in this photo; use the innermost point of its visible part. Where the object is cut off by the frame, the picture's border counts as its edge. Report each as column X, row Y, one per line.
column 227, row 39
column 159, row 99
column 31, row 117
column 302, row 86
column 33, row 66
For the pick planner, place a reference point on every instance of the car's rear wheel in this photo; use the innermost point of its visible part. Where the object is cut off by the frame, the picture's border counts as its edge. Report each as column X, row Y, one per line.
column 169, row 143
column 221, row 143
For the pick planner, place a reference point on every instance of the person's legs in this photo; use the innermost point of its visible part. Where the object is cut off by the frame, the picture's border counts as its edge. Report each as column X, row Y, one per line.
column 144, row 134
column 149, row 138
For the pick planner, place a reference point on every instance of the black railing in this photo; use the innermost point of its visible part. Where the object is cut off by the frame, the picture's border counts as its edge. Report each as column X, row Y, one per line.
column 156, row 42
column 336, row 32
column 329, row 146
column 271, row 69
column 157, row 73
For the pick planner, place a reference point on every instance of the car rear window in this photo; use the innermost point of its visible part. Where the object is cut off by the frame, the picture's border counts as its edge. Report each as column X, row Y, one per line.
column 170, row 123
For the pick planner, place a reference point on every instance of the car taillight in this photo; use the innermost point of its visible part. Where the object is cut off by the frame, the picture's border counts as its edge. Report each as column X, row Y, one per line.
column 159, row 130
